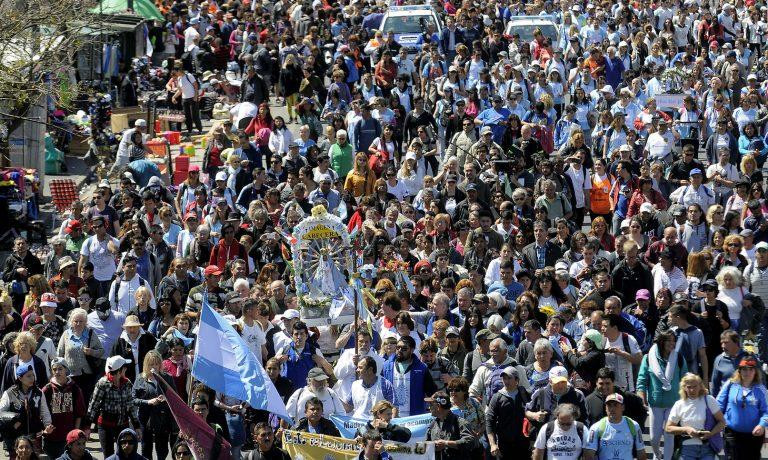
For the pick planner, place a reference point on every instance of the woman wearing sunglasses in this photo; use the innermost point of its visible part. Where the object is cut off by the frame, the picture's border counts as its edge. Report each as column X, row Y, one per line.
column 745, row 405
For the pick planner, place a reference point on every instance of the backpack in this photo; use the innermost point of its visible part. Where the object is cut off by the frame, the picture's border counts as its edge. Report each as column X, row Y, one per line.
column 550, row 428
column 603, row 423
column 494, row 382
column 119, row 280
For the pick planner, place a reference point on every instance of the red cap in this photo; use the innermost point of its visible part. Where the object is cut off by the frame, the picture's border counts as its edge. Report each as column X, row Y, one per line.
column 748, row 361
column 421, row 264
column 212, row 270
column 194, row 168
column 73, row 225
column 75, row 435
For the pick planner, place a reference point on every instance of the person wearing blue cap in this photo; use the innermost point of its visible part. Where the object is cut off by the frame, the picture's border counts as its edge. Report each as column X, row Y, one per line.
column 695, row 192
column 25, row 412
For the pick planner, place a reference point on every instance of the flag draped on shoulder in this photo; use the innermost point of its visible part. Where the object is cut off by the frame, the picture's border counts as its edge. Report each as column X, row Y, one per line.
column 224, row 362
column 204, row 443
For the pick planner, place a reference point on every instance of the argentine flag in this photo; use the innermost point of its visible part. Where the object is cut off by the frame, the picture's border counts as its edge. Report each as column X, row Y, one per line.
column 224, row 362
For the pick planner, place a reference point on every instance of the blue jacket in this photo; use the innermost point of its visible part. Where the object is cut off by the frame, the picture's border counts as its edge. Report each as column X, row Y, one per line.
column 445, row 38
column 422, row 384
column 453, row 320
column 298, row 365
column 744, row 146
column 365, row 132
column 743, row 413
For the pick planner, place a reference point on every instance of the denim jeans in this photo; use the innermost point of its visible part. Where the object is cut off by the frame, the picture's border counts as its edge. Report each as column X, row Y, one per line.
column 697, row 452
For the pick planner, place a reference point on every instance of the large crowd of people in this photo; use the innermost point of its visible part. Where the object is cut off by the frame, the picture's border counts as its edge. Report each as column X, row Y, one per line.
column 563, row 239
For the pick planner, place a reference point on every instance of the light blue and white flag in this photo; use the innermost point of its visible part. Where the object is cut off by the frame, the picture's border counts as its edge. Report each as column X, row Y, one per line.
column 418, row 424
column 224, row 362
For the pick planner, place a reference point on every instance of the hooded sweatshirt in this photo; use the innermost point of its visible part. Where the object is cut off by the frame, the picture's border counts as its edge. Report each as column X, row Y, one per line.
column 120, row 454
column 65, row 403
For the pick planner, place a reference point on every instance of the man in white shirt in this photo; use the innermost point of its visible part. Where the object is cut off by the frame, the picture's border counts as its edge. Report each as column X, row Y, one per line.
column 581, row 179
column 369, row 389
column 694, row 193
column 252, row 333
column 621, row 352
column 99, row 249
column 122, row 293
column 191, row 33
column 121, row 160
column 317, row 386
column 562, row 438
column 660, row 143
column 347, row 364
column 189, row 93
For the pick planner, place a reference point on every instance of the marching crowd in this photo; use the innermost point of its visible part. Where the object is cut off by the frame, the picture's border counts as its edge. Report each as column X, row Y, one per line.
column 563, row 239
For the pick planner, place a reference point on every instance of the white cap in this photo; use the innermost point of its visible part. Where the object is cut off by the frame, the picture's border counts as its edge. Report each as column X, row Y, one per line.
column 221, row 175
column 290, row 314
column 646, row 207
column 751, row 77
column 116, row 362
column 625, row 223
column 558, row 374
column 140, row 123
column 561, row 266
column 607, row 89
column 410, row 156
column 623, row 43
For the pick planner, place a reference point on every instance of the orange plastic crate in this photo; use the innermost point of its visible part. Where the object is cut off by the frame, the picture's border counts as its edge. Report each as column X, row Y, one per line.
column 158, row 149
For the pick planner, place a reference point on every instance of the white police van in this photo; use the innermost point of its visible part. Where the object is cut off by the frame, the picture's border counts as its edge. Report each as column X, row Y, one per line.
column 525, row 25
column 409, row 23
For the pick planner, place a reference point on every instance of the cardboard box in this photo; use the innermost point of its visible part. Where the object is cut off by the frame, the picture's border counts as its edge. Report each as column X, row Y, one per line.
column 125, row 118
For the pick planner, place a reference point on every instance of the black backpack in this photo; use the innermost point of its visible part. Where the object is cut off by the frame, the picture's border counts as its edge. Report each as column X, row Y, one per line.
column 187, row 61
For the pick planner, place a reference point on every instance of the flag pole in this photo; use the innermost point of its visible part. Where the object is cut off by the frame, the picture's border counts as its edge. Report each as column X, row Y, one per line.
column 357, row 310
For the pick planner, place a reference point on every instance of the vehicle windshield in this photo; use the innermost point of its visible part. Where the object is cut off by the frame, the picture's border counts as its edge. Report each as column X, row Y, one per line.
column 526, row 32
column 408, row 24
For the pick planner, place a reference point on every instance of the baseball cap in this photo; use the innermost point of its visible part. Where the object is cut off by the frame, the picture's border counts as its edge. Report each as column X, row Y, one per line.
column 562, row 265
column 471, row 187
column 486, row 130
column 747, row 361
column 594, row 336
column 74, row 225
column 746, row 233
column 695, row 171
column 23, row 369
column 194, row 168
column 291, row 314
column 140, row 123
column 48, row 300
column 751, row 77
column 102, row 304
column 646, row 207
column 510, row 371
column 60, row 362
column 441, row 398
column 711, row 285
column 74, row 436
column 317, row 374
column 65, row 262
column 761, row 245
column 616, row 398
column 212, row 270
column 115, row 363
column 485, row 334
column 480, row 298
column 451, row 178
column 643, row 294
column 221, row 175
column 452, row 330
column 558, row 374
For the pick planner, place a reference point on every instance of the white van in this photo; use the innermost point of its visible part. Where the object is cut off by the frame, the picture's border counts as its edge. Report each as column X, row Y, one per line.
column 409, row 22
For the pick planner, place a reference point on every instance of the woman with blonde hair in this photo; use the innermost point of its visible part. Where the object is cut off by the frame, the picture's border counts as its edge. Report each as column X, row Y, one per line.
column 698, row 272
column 154, row 414
column 361, row 179
column 82, row 351
column 382, row 413
column 697, row 416
column 143, row 309
column 750, row 170
column 715, row 217
column 24, row 346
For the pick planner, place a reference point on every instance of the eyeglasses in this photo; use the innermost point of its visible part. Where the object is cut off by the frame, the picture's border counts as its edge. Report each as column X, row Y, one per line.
column 734, row 245
column 402, row 347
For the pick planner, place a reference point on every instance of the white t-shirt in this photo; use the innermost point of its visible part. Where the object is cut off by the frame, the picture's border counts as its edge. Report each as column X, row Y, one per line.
column 693, row 413
column 562, row 445
column 363, row 399
column 621, row 367
column 581, row 181
column 254, row 337
column 331, row 402
column 399, row 190
column 104, row 266
column 187, row 84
